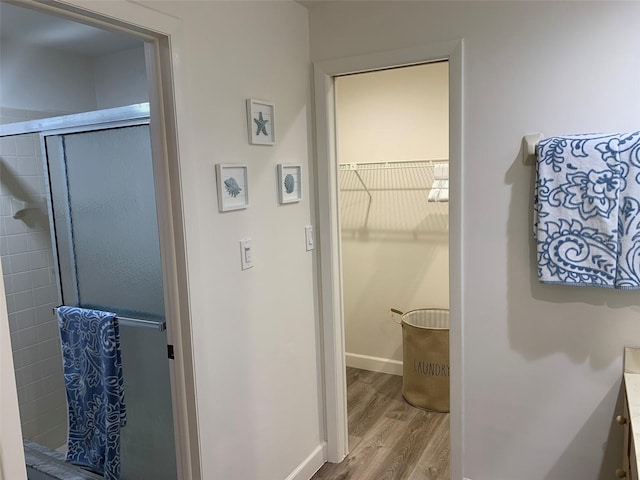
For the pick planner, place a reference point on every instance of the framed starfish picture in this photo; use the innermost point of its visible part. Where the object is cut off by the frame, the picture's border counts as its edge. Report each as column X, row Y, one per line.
column 261, row 122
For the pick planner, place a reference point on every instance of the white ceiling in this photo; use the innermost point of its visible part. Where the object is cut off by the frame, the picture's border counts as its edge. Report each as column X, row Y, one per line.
column 30, row 27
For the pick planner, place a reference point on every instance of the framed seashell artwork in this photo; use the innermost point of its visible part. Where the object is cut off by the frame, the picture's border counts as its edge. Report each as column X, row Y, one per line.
column 261, row 122
column 233, row 186
column 289, row 182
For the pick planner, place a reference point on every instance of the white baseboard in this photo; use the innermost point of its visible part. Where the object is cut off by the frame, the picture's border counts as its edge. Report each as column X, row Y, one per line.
column 374, row 364
column 311, row 464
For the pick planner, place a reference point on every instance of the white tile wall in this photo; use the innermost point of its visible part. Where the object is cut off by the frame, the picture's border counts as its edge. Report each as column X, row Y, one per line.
column 31, row 292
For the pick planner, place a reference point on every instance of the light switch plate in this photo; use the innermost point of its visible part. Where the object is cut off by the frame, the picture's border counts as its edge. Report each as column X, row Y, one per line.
column 308, row 235
column 246, row 253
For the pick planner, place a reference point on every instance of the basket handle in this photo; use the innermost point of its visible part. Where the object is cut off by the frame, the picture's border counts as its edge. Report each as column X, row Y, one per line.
column 392, row 314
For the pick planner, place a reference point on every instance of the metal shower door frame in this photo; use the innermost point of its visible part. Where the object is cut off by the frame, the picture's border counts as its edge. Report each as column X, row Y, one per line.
column 129, row 116
column 105, row 119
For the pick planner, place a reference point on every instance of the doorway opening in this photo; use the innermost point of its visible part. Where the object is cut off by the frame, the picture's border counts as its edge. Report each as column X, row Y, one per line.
column 392, row 130
column 332, row 318
column 76, row 160
column 392, row 152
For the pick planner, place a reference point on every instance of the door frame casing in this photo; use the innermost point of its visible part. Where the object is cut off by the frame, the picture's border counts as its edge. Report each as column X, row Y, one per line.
column 163, row 37
column 331, row 306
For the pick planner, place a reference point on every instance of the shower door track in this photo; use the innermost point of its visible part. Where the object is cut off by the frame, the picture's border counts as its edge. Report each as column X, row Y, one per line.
column 129, row 115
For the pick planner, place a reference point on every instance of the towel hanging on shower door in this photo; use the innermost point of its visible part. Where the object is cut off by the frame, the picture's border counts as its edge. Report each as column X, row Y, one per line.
column 94, row 384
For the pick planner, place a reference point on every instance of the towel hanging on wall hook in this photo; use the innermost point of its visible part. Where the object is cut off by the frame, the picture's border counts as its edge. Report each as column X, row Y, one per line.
column 587, row 210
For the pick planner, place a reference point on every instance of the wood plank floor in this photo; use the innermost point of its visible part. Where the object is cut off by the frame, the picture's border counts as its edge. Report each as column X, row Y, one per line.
column 388, row 438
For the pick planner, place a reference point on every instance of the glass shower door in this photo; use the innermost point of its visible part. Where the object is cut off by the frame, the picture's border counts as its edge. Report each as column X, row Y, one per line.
column 106, row 230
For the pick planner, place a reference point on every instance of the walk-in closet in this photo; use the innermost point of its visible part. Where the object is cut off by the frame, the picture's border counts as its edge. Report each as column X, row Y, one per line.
column 392, row 131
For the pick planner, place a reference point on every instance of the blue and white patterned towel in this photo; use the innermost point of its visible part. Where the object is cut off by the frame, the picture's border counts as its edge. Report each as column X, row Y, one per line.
column 628, row 272
column 587, row 212
column 95, row 388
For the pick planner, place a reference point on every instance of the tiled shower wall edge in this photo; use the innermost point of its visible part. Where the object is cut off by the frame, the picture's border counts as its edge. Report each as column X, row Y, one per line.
column 29, row 279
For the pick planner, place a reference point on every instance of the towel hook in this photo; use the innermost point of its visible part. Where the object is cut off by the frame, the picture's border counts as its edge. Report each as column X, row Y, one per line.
column 530, row 147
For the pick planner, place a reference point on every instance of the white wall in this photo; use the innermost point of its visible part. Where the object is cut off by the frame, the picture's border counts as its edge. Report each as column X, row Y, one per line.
column 394, row 244
column 254, row 331
column 542, row 363
column 120, row 78
column 44, row 79
column 394, row 115
column 49, row 80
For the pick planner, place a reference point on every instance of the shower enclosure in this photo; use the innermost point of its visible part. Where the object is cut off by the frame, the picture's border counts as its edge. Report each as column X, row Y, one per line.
column 101, row 205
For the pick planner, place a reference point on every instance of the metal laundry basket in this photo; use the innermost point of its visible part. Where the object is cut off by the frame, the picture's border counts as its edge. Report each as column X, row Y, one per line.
column 425, row 345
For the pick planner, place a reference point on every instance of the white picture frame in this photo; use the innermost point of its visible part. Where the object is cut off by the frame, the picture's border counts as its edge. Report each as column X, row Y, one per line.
column 233, row 186
column 289, row 182
column 261, row 122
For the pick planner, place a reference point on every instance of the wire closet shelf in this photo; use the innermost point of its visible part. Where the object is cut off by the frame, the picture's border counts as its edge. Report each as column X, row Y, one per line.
column 391, row 199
